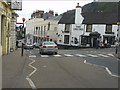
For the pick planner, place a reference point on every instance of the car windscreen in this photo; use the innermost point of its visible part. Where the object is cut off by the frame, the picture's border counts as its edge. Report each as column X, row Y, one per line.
column 48, row 43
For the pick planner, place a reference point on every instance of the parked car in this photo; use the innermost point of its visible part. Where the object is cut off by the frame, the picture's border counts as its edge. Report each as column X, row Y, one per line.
column 19, row 43
column 36, row 45
column 28, row 46
column 48, row 47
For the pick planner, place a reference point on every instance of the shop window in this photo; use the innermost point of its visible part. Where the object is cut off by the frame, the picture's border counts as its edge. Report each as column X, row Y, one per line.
column 85, row 40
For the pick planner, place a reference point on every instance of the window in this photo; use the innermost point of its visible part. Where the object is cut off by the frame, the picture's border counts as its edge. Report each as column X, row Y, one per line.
column 44, row 30
column 34, row 30
column 55, row 28
column 41, row 31
column 49, row 26
column 66, row 39
column 85, row 40
column 108, row 29
column 89, row 28
column 67, row 28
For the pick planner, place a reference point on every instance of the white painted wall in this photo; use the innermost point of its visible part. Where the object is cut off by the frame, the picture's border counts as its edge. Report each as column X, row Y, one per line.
column 61, row 35
column 77, row 31
column 78, row 16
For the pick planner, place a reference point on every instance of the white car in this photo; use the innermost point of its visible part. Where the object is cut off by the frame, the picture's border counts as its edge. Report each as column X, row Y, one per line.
column 28, row 46
column 48, row 47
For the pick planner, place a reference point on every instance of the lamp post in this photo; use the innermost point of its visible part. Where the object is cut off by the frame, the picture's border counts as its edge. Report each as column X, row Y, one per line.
column 23, row 33
column 23, row 19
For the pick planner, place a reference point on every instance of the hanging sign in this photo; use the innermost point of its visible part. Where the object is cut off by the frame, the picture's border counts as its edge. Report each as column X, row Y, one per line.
column 16, row 4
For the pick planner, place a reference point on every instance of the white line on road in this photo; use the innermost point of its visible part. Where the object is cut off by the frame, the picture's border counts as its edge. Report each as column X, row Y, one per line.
column 32, row 56
column 28, row 77
column 103, row 55
column 44, row 56
column 106, row 68
column 111, row 54
column 57, row 55
column 80, row 55
column 68, row 55
column 92, row 55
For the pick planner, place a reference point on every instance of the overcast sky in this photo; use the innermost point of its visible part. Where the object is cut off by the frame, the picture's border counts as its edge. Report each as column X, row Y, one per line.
column 59, row 6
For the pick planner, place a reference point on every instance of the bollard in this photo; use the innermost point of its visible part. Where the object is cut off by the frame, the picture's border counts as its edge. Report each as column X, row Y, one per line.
column 116, row 50
column 22, row 49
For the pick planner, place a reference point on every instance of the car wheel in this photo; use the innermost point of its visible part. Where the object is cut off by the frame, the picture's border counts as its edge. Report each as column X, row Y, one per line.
column 56, row 53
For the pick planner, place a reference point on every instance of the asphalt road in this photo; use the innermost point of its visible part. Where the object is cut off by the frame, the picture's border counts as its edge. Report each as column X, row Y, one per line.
column 83, row 68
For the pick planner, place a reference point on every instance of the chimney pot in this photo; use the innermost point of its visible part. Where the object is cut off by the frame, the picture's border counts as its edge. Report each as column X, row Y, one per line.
column 78, row 5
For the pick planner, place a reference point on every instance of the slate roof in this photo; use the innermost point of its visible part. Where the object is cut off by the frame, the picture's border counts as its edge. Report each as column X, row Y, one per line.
column 94, row 13
column 55, row 17
column 68, row 17
column 100, row 13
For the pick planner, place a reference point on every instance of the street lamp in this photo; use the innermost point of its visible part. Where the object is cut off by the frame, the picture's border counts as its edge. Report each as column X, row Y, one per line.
column 23, row 33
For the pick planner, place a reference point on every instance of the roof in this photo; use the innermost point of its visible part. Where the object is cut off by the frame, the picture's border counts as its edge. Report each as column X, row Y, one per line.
column 100, row 13
column 68, row 17
column 100, row 18
column 55, row 17
column 94, row 13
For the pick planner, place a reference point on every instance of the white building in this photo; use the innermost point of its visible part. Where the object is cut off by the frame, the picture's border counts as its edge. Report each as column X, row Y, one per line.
column 38, row 29
column 70, row 27
column 83, row 26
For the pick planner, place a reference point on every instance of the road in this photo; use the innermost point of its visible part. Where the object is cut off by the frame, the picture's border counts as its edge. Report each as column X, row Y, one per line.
column 81, row 68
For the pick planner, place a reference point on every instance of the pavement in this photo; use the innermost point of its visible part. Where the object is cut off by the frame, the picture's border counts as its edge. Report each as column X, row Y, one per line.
column 12, row 68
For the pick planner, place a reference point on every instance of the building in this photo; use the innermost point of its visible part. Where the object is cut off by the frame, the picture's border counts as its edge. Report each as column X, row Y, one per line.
column 13, row 31
column 70, row 27
column 40, row 29
column 100, row 19
column 96, row 21
column 5, row 23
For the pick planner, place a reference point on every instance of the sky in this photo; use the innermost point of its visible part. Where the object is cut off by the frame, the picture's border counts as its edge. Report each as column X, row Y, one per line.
column 58, row 6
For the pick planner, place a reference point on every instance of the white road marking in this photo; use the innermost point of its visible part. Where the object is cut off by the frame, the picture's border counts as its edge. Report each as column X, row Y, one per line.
column 80, row 55
column 103, row 55
column 32, row 56
column 28, row 77
column 68, row 55
column 31, row 83
column 44, row 56
column 111, row 54
column 92, row 55
column 57, row 55
column 106, row 68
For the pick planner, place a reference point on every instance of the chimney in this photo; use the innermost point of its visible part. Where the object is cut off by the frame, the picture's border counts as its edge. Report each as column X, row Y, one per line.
column 78, row 5
column 78, row 16
column 56, row 14
column 51, row 12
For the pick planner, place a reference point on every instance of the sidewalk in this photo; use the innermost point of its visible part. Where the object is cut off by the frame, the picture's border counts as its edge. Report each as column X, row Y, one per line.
column 12, row 68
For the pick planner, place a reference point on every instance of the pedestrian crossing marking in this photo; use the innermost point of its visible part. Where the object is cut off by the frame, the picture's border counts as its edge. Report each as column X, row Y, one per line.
column 92, row 55
column 57, row 55
column 44, row 56
column 111, row 54
column 80, row 55
column 32, row 56
column 68, row 55
column 103, row 55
